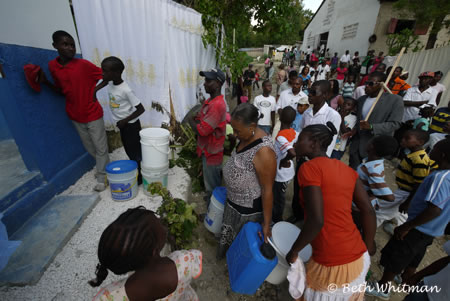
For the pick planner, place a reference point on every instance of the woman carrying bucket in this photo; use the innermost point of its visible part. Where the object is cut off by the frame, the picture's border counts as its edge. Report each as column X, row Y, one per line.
column 340, row 256
column 249, row 176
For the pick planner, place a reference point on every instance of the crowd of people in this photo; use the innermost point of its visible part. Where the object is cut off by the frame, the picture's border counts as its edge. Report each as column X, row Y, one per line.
column 322, row 113
column 325, row 108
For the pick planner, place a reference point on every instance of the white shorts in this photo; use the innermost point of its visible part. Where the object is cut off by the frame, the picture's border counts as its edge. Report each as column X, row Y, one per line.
column 389, row 210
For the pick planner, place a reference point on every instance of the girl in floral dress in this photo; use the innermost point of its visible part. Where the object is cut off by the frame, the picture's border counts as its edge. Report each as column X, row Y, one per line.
column 132, row 243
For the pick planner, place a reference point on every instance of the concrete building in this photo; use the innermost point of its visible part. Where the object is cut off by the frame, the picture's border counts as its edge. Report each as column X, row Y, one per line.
column 41, row 152
column 360, row 25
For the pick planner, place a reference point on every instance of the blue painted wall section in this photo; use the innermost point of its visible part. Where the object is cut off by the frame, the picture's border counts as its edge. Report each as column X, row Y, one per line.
column 43, row 133
column 4, row 129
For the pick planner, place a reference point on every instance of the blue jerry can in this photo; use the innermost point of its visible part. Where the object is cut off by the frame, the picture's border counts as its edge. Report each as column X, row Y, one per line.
column 247, row 267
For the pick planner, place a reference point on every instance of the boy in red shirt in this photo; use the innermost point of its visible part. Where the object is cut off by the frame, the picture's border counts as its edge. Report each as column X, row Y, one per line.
column 77, row 79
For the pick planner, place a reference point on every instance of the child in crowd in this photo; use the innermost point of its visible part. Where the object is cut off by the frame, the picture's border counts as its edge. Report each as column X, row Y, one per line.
column 256, row 82
column 125, row 109
column 230, row 141
column 428, row 216
column 334, row 61
column 355, row 58
column 132, row 243
column 411, row 172
column 355, row 70
column 291, row 67
column 341, row 73
column 76, row 79
column 266, row 106
column 423, row 122
column 244, row 97
column 440, row 125
column 281, row 77
column 349, row 86
column 348, row 123
column 371, row 171
column 378, row 60
column 434, row 275
column 284, row 149
column 302, row 106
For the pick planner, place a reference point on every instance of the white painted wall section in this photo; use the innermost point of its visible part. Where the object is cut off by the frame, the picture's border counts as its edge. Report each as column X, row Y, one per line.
column 32, row 22
column 350, row 23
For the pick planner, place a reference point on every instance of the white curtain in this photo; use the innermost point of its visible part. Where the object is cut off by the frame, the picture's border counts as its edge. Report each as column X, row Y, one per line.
column 160, row 44
column 186, row 56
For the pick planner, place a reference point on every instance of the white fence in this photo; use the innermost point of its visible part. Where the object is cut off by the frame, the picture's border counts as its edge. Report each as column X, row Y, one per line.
column 427, row 60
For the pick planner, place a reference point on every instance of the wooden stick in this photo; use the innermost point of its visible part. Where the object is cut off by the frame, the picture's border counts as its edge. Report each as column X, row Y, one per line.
column 397, row 60
column 387, row 88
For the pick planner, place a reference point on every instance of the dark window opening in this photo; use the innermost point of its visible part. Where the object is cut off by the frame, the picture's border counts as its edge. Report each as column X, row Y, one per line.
column 403, row 24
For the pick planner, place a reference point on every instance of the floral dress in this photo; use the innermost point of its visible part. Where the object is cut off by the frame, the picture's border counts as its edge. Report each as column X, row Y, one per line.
column 188, row 264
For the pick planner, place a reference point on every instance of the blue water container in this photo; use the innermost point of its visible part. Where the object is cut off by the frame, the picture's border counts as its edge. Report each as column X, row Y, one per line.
column 247, row 267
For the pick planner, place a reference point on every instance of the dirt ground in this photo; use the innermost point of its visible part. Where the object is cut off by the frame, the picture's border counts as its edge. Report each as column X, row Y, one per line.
column 213, row 284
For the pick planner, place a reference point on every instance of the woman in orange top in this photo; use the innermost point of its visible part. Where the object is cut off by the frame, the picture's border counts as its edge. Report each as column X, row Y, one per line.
column 328, row 186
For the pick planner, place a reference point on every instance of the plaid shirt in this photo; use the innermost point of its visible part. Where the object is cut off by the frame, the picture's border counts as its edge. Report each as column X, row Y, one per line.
column 211, row 130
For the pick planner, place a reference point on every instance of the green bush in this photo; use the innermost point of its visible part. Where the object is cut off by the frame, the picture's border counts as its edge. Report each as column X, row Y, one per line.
column 179, row 217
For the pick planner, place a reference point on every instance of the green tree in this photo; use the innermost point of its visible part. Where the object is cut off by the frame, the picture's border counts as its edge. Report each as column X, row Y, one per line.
column 277, row 22
column 405, row 38
column 427, row 12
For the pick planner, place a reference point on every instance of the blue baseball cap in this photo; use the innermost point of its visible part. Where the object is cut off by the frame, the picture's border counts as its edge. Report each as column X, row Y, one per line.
column 216, row 74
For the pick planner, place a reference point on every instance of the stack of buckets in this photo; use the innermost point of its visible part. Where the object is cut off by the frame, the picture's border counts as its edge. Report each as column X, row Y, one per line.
column 155, row 156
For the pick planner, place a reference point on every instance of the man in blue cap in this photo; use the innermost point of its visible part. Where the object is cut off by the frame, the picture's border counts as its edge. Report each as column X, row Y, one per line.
column 209, row 125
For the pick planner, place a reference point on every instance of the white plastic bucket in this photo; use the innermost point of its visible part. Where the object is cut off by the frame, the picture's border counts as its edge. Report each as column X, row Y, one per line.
column 283, row 237
column 154, row 175
column 122, row 178
column 214, row 216
column 155, row 147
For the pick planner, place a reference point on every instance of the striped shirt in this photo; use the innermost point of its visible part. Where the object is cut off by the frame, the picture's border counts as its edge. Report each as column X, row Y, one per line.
column 372, row 176
column 440, row 118
column 413, row 170
column 347, row 90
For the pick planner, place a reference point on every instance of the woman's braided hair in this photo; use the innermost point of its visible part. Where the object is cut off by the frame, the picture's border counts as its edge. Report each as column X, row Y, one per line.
column 321, row 133
column 126, row 244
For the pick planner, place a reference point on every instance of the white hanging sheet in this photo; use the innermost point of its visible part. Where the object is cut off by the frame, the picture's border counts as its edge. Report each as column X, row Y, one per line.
column 160, row 44
column 186, row 56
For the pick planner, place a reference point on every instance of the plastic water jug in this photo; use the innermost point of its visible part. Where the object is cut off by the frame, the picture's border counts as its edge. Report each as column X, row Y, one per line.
column 214, row 216
column 247, row 267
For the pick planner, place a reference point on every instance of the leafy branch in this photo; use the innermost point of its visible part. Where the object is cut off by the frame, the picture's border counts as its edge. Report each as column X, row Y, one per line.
column 177, row 215
column 406, row 38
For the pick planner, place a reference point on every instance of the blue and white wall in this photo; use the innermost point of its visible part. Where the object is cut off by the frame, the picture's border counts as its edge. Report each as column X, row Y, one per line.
column 38, row 122
column 349, row 24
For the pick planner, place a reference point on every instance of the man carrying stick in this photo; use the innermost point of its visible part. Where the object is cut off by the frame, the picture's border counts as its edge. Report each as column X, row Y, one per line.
column 383, row 119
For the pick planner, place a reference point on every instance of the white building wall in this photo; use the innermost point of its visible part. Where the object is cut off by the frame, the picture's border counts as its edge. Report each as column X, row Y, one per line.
column 32, row 22
column 356, row 17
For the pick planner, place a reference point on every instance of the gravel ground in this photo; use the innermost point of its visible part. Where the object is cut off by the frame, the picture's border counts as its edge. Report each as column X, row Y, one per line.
column 67, row 276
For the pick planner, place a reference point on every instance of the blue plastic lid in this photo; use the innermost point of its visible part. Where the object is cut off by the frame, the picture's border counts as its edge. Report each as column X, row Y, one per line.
column 121, row 166
column 220, row 193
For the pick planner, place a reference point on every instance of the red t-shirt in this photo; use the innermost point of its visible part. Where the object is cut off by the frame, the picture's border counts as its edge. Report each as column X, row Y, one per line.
column 339, row 241
column 341, row 73
column 211, row 130
column 77, row 80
